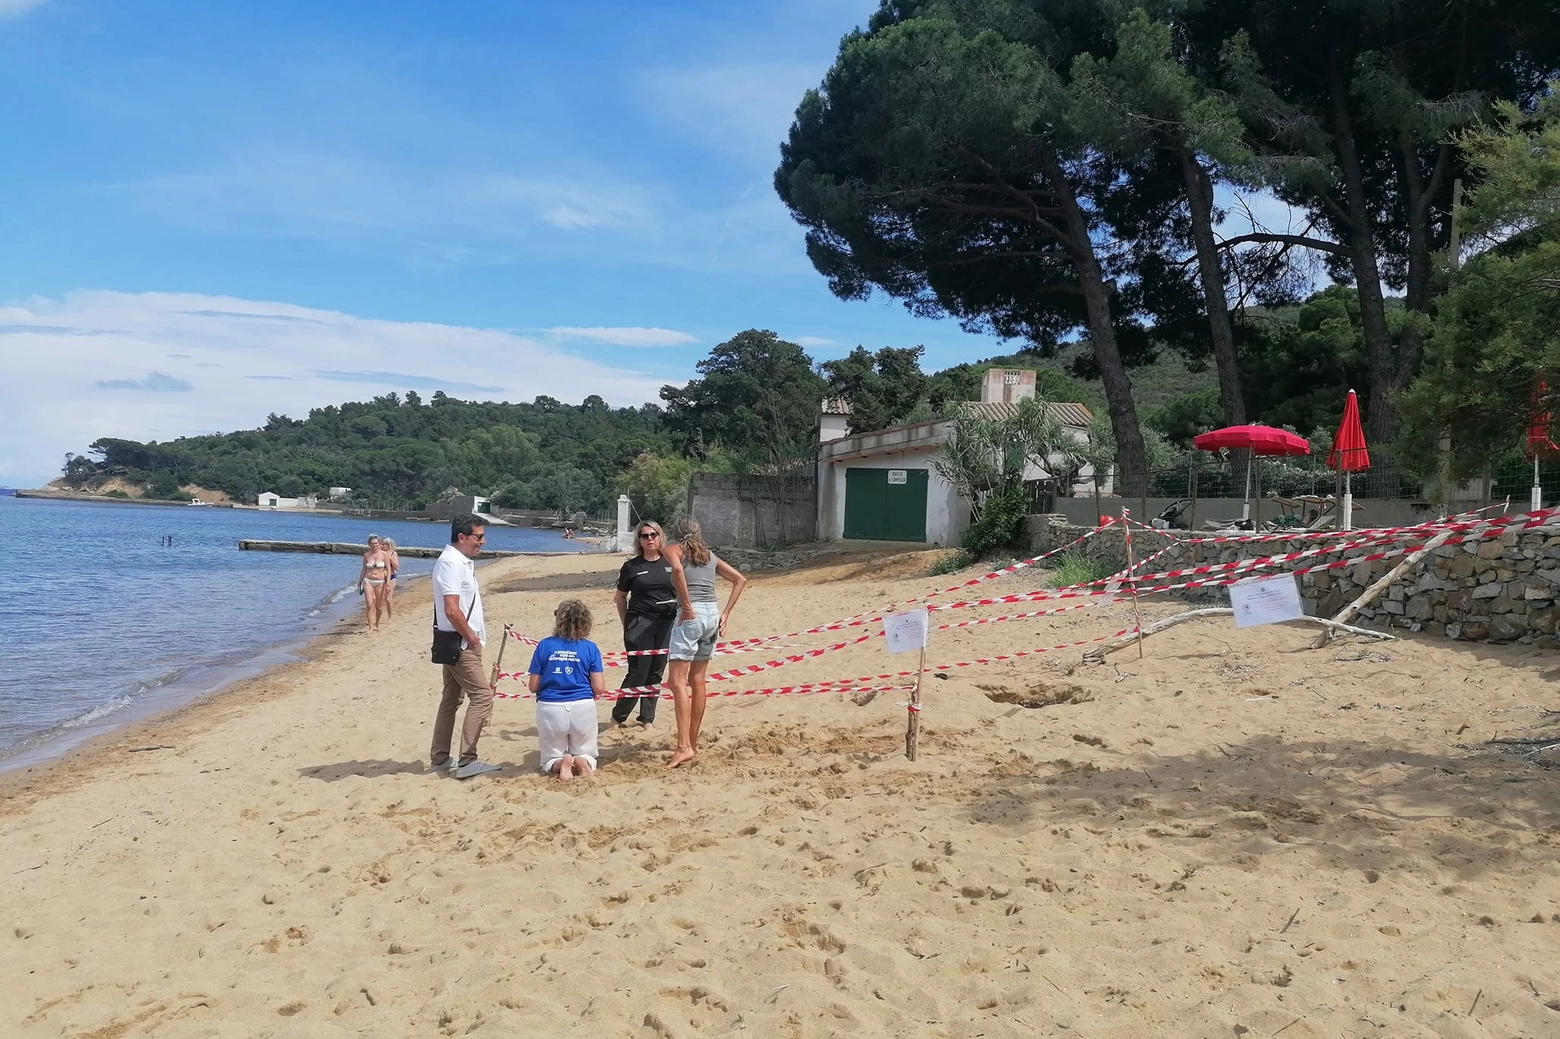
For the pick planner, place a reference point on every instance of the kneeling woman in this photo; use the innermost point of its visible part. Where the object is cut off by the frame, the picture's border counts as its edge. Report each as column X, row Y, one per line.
column 700, row 622
column 566, row 676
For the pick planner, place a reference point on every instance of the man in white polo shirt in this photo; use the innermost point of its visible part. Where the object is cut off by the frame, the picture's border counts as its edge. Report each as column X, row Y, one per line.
column 457, row 607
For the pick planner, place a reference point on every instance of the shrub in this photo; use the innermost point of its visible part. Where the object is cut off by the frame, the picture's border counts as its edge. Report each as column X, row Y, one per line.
column 951, row 563
column 1076, row 569
column 1000, row 527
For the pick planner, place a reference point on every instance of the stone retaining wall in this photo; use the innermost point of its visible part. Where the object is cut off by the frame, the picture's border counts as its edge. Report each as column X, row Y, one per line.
column 1501, row 589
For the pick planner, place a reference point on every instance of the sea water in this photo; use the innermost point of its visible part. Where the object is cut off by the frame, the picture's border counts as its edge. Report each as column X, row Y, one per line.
column 111, row 612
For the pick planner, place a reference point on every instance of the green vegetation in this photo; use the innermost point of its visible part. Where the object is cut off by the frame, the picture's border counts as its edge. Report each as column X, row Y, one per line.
column 1073, row 569
column 951, row 563
column 1047, row 172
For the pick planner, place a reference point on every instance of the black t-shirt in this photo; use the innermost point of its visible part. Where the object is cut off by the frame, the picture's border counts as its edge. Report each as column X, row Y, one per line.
column 649, row 587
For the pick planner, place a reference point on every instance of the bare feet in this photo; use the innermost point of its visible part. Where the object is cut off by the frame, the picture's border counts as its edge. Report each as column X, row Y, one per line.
column 682, row 757
column 566, row 768
column 582, row 768
column 647, row 726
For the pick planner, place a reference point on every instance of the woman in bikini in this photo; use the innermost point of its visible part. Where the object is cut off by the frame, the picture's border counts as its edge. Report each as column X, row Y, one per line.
column 374, row 577
column 394, row 557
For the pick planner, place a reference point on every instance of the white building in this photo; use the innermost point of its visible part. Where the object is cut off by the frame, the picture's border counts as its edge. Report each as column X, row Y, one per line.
column 272, row 500
column 881, row 486
column 338, row 493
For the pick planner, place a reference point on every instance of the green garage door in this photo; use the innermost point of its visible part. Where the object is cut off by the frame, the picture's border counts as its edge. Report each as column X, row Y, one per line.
column 885, row 504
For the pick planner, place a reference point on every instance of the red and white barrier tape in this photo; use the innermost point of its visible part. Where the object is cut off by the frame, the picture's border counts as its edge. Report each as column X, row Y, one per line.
column 851, row 684
column 779, row 690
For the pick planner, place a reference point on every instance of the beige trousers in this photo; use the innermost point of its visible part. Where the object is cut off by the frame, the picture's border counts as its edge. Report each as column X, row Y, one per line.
column 466, row 680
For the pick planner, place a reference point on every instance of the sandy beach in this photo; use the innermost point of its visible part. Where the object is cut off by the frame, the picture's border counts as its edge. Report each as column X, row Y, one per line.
column 1237, row 835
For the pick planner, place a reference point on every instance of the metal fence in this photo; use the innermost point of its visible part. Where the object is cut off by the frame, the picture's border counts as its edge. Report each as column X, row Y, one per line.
column 1207, row 476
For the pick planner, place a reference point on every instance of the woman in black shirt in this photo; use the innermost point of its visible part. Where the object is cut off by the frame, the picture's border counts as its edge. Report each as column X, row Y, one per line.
column 647, row 607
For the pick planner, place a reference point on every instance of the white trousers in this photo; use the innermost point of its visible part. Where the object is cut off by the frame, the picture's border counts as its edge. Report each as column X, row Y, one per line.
column 566, row 728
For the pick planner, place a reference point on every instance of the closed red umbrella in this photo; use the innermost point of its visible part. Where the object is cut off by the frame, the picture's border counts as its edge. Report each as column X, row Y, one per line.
column 1539, row 444
column 1259, row 440
column 1348, row 454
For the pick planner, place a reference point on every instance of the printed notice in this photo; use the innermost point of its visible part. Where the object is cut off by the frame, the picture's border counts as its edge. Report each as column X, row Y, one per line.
column 1266, row 600
column 898, row 476
column 906, row 631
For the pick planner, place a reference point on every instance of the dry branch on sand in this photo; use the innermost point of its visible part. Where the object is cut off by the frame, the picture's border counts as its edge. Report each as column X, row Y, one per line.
column 1098, row 654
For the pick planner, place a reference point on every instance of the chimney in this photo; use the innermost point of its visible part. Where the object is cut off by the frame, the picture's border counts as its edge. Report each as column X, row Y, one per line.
column 833, row 420
column 1007, row 385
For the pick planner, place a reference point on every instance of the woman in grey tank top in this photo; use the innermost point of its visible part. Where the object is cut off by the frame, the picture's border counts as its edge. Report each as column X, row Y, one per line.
column 700, row 621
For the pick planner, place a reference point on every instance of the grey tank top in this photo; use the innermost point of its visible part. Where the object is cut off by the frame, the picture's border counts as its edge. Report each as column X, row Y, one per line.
column 701, row 580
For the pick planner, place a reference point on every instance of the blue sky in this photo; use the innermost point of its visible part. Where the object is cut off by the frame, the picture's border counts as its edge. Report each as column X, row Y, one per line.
column 212, row 211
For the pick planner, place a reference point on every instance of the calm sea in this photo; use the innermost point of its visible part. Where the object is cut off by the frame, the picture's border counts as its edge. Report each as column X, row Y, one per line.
column 101, row 623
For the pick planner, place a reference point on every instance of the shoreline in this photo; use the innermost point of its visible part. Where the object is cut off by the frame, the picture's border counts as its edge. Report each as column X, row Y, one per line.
column 231, row 677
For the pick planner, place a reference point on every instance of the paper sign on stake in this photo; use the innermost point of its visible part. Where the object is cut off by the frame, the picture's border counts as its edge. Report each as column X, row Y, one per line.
column 1266, row 600
column 906, row 631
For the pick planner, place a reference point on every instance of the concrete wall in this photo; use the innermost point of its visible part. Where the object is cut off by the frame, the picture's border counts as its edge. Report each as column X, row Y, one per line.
column 1375, row 512
column 754, row 511
column 1504, row 588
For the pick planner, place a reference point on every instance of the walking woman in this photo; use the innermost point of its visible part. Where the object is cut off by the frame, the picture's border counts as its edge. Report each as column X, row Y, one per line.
column 647, row 607
column 373, row 579
column 700, row 621
column 388, row 546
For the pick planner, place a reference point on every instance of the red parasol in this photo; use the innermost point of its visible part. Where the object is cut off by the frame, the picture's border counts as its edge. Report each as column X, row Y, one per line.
column 1260, row 440
column 1348, row 454
column 1539, row 444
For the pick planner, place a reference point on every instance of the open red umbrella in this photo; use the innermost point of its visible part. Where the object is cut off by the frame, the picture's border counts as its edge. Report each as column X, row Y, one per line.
column 1259, row 440
column 1348, row 454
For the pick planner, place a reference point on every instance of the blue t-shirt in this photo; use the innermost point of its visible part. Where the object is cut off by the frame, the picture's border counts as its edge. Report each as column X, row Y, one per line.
column 565, row 667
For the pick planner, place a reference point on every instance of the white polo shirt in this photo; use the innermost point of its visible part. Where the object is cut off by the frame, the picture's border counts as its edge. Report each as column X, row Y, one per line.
column 454, row 574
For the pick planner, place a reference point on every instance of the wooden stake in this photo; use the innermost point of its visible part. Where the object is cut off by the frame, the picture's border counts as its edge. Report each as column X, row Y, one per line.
column 913, row 723
column 1369, row 595
column 1126, row 529
column 497, row 664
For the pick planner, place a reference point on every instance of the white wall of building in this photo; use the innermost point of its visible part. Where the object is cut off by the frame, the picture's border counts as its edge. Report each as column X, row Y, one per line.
column 947, row 515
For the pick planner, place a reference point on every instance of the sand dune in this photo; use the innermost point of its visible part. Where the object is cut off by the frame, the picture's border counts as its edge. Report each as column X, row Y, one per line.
column 1236, row 835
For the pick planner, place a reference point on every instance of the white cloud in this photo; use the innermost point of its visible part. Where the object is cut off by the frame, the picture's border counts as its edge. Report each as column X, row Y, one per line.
column 17, row 8
column 434, row 215
column 155, row 382
column 69, row 369
column 812, row 342
column 625, row 336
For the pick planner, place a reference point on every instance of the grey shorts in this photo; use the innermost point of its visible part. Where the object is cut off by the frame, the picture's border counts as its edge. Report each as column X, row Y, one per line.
column 695, row 639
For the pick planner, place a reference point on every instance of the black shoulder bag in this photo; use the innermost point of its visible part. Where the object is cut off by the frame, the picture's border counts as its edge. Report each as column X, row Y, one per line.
column 446, row 644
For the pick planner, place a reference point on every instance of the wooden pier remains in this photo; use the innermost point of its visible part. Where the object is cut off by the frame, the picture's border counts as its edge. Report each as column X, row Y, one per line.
column 347, row 548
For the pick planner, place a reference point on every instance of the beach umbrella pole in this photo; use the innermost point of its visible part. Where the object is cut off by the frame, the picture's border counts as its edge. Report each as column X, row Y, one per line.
column 1348, row 501
column 1245, row 509
column 1538, row 492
